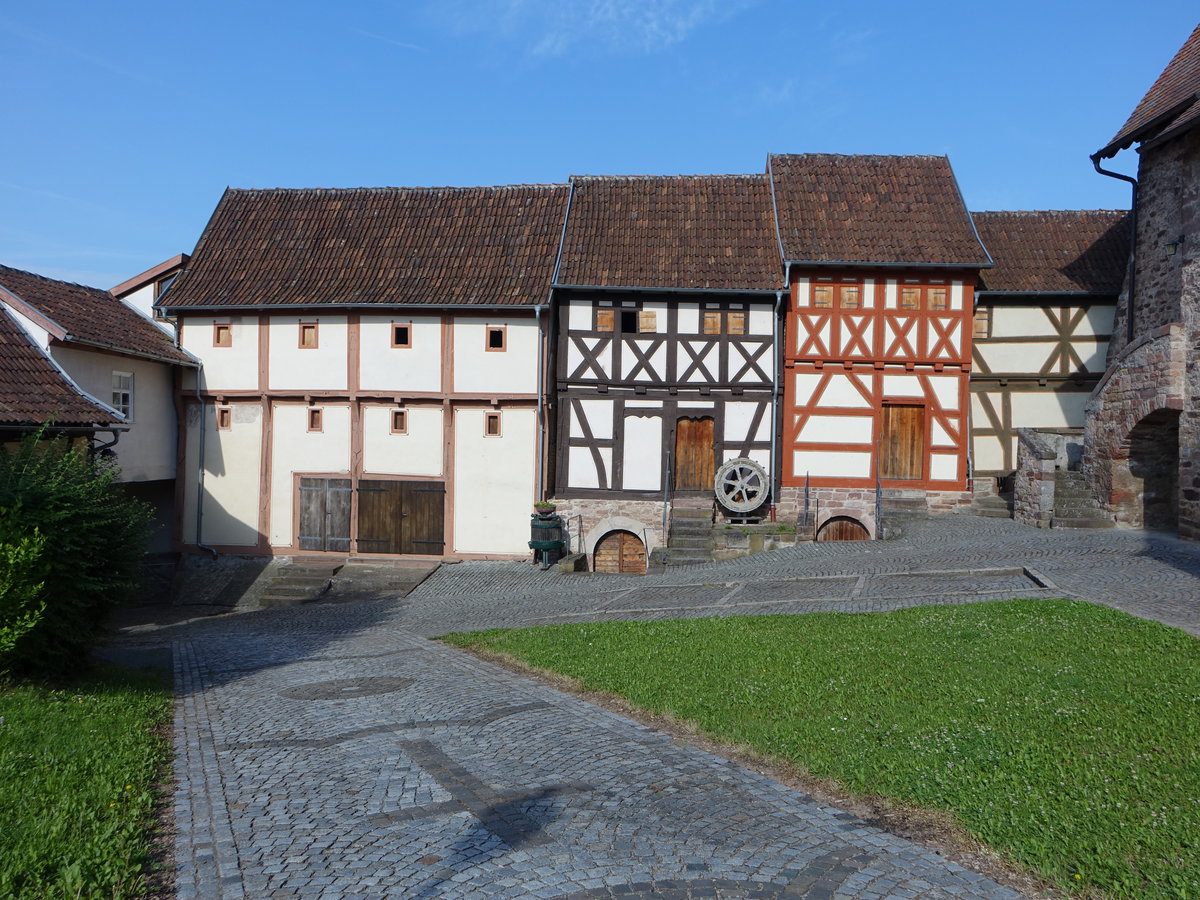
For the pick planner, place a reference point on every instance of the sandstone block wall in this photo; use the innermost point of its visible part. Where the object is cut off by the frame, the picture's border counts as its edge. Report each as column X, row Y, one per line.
column 1033, row 489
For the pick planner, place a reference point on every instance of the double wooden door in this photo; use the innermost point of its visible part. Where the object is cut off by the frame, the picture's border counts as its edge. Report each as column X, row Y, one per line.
column 620, row 552
column 393, row 516
column 695, row 454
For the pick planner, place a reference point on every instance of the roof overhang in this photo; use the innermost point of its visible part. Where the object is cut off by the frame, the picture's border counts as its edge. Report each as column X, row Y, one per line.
column 150, row 275
column 843, row 263
column 1123, row 141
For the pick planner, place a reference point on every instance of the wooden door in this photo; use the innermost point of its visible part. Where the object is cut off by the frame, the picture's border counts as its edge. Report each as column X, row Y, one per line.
column 902, row 443
column 695, row 456
column 324, row 514
column 843, row 529
column 620, row 552
column 401, row 516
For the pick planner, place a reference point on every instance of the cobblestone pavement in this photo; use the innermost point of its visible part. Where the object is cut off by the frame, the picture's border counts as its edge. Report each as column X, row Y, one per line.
column 331, row 751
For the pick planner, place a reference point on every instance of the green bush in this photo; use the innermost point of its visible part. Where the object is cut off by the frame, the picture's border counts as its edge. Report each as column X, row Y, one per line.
column 70, row 546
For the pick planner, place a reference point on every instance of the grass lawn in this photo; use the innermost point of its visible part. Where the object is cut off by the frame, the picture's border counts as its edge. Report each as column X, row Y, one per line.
column 1064, row 735
column 78, row 766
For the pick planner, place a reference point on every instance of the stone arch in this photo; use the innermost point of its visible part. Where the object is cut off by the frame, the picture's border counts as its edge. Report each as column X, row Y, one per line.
column 843, row 527
column 617, row 523
column 1145, row 490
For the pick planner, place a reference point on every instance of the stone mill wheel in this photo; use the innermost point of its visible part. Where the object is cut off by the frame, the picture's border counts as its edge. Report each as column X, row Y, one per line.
column 741, row 486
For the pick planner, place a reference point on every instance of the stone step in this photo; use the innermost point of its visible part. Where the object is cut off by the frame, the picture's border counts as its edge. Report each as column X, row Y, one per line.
column 904, row 505
column 686, row 557
column 988, row 512
column 690, row 542
column 690, row 529
column 688, row 512
column 1058, row 522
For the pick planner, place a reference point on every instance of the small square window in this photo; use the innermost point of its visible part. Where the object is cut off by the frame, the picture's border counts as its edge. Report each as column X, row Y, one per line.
column 402, row 335
column 605, row 320
column 399, row 421
column 122, row 394
column 647, row 321
column 937, row 298
column 315, row 418
column 497, row 338
column 222, row 335
column 822, row 296
column 983, row 323
column 629, row 321
column 712, row 322
column 308, row 335
column 910, row 298
column 491, row 424
column 224, row 418
column 737, row 323
column 851, row 296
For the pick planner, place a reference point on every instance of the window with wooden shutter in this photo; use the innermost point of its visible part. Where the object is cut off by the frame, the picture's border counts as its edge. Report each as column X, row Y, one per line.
column 910, row 298
column 737, row 323
column 937, row 298
column 822, row 296
column 851, row 296
column 605, row 320
column 712, row 322
column 647, row 321
column 983, row 323
column 222, row 335
column 308, row 335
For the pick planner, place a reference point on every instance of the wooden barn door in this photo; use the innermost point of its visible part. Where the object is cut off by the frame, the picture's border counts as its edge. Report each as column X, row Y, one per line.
column 620, row 552
column 325, row 514
column 401, row 516
column 902, row 443
column 695, row 466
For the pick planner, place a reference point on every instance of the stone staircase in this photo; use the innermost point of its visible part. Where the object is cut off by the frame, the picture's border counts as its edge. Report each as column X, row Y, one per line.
column 1074, row 505
column 903, row 503
column 302, row 580
column 689, row 538
column 991, row 506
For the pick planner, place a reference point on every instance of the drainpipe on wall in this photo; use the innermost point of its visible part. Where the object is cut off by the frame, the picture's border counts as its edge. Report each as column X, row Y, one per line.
column 200, row 474
column 539, row 492
column 776, row 473
column 1131, row 271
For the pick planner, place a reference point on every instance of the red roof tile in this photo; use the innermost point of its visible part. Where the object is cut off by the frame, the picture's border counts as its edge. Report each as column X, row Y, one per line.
column 91, row 316
column 713, row 232
column 371, row 246
column 33, row 390
column 1052, row 251
column 886, row 210
column 1172, row 102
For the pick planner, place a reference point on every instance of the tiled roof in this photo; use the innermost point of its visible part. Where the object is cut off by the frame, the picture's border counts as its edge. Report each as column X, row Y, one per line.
column 33, row 390
column 1171, row 102
column 91, row 316
column 364, row 246
column 1056, row 250
column 893, row 210
column 713, row 232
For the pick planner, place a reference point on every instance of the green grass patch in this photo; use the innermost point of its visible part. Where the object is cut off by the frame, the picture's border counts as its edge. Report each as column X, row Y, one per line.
column 1064, row 735
column 78, row 766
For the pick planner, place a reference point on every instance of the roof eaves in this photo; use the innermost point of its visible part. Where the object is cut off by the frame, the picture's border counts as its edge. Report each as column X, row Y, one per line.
column 662, row 290
column 1127, row 139
column 190, row 362
column 892, row 265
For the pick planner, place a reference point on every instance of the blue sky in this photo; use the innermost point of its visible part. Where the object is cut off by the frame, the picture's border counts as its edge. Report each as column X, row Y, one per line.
column 126, row 120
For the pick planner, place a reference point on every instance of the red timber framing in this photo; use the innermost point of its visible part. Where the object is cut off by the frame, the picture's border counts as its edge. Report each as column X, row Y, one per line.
column 866, row 354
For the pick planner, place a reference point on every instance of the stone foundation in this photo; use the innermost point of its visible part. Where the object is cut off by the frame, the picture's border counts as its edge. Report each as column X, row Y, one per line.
column 589, row 519
column 1033, row 488
column 732, row 541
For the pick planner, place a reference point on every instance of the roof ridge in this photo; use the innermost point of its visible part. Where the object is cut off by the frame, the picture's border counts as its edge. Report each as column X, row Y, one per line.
column 1042, row 212
column 677, row 176
column 386, row 189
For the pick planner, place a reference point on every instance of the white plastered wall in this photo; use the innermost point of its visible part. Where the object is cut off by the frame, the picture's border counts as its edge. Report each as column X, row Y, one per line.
column 419, row 452
column 383, row 367
column 232, row 463
column 225, row 368
column 296, row 449
column 478, row 370
column 493, row 481
column 320, row 368
column 147, row 451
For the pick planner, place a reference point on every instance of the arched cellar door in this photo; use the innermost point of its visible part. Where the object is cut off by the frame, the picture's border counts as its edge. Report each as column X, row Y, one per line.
column 843, row 528
column 620, row 552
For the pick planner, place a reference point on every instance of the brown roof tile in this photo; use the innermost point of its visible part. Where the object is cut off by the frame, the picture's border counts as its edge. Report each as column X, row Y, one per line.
column 1052, row 251
column 1170, row 103
column 708, row 232
column 887, row 210
column 91, row 316
column 33, row 390
column 367, row 246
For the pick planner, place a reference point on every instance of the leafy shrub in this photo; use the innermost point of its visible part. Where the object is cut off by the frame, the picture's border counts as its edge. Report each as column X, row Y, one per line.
column 70, row 546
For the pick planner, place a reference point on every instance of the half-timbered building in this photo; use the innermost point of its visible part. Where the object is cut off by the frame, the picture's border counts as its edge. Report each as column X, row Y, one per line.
column 1042, row 324
column 666, row 294
column 882, row 261
column 373, row 367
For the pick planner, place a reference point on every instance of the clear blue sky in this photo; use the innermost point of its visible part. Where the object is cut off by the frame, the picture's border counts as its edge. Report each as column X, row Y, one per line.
column 126, row 120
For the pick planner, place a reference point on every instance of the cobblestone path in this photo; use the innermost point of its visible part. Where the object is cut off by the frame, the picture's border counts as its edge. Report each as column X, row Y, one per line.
column 332, row 751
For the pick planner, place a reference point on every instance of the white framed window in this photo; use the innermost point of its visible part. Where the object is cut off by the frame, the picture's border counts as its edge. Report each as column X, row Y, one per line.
column 122, row 394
